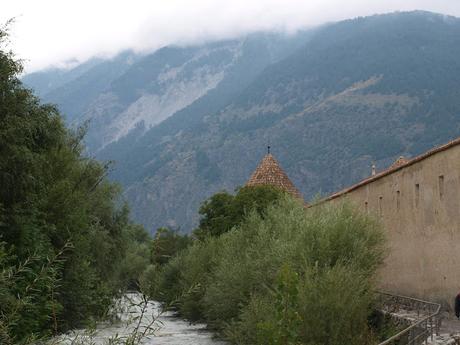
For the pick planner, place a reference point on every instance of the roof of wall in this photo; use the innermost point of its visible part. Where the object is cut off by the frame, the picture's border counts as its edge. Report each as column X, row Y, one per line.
column 395, row 167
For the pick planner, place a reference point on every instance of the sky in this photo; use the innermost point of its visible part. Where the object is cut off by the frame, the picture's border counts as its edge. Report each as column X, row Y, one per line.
column 63, row 32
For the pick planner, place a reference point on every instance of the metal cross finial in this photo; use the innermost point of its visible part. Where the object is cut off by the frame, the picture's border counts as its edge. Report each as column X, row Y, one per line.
column 268, row 149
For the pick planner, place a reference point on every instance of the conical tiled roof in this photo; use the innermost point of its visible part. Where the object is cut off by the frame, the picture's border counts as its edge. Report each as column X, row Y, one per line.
column 270, row 173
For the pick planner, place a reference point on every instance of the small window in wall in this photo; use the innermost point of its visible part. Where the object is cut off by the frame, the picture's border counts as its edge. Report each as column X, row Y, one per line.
column 417, row 194
column 441, row 186
column 381, row 206
column 366, row 206
column 398, row 200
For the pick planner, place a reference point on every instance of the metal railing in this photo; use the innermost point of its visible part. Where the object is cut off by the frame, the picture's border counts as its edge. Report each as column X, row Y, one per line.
column 425, row 325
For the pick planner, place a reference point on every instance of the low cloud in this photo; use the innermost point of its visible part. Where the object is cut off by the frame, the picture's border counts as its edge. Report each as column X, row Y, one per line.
column 54, row 32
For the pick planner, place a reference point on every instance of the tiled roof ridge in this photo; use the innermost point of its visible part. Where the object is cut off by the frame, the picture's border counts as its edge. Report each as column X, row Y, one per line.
column 269, row 172
column 395, row 167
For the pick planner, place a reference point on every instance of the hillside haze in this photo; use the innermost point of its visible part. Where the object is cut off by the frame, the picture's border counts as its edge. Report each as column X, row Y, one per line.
column 183, row 123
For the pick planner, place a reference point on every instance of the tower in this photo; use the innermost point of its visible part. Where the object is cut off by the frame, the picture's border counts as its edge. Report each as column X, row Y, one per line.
column 270, row 173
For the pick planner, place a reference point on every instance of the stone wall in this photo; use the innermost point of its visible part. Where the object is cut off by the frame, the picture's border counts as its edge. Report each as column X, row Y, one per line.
column 419, row 206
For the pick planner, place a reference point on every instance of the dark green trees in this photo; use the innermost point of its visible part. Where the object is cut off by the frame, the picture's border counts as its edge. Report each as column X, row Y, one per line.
column 223, row 211
column 63, row 238
column 166, row 244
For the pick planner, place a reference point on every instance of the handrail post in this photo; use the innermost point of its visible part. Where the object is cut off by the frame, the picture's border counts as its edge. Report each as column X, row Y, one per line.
column 428, row 330
column 431, row 323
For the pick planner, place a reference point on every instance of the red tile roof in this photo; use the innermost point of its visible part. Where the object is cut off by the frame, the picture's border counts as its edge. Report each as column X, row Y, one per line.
column 270, row 173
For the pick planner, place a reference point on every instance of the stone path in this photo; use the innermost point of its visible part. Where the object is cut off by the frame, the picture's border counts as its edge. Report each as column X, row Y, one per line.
column 450, row 325
column 409, row 311
column 449, row 333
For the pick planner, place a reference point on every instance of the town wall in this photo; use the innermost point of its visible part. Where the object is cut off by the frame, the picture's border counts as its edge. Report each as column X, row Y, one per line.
column 419, row 206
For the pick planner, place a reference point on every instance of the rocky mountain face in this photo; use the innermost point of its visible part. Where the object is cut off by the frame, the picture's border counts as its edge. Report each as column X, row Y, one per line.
column 183, row 123
column 132, row 92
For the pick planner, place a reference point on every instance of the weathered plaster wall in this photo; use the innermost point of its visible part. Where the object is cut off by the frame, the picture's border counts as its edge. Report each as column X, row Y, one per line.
column 420, row 209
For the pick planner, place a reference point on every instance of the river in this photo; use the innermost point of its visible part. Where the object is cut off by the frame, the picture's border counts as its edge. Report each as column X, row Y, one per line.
column 138, row 316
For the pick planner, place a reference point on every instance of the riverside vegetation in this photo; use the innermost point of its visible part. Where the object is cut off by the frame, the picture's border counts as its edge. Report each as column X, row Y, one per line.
column 67, row 247
column 279, row 275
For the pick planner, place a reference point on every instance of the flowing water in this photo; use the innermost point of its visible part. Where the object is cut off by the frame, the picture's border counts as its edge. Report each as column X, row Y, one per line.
column 140, row 317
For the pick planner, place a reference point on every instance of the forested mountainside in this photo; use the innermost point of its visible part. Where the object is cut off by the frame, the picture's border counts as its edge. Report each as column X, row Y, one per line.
column 352, row 93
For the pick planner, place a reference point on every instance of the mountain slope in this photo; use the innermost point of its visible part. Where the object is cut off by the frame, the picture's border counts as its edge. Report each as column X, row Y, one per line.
column 360, row 91
column 73, row 90
column 47, row 80
column 131, row 93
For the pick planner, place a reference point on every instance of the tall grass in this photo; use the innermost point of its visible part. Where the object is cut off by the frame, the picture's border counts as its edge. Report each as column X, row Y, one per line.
column 293, row 276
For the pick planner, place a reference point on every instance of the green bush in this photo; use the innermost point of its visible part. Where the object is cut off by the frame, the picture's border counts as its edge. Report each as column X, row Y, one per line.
column 167, row 285
column 137, row 257
column 286, row 276
column 330, row 306
column 223, row 211
column 166, row 244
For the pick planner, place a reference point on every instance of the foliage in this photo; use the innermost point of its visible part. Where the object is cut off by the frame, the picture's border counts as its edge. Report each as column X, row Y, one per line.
column 64, row 235
column 167, row 281
column 164, row 248
column 184, row 289
column 223, row 211
column 31, row 286
column 290, row 276
column 166, row 244
column 385, row 326
column 285, row 310
column 137, row 258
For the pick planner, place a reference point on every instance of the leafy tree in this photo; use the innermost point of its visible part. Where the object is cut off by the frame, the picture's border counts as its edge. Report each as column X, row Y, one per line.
column 166, row 244
column 137, row 257
column 216, row 216
column 64, row 235
column 223, row 211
